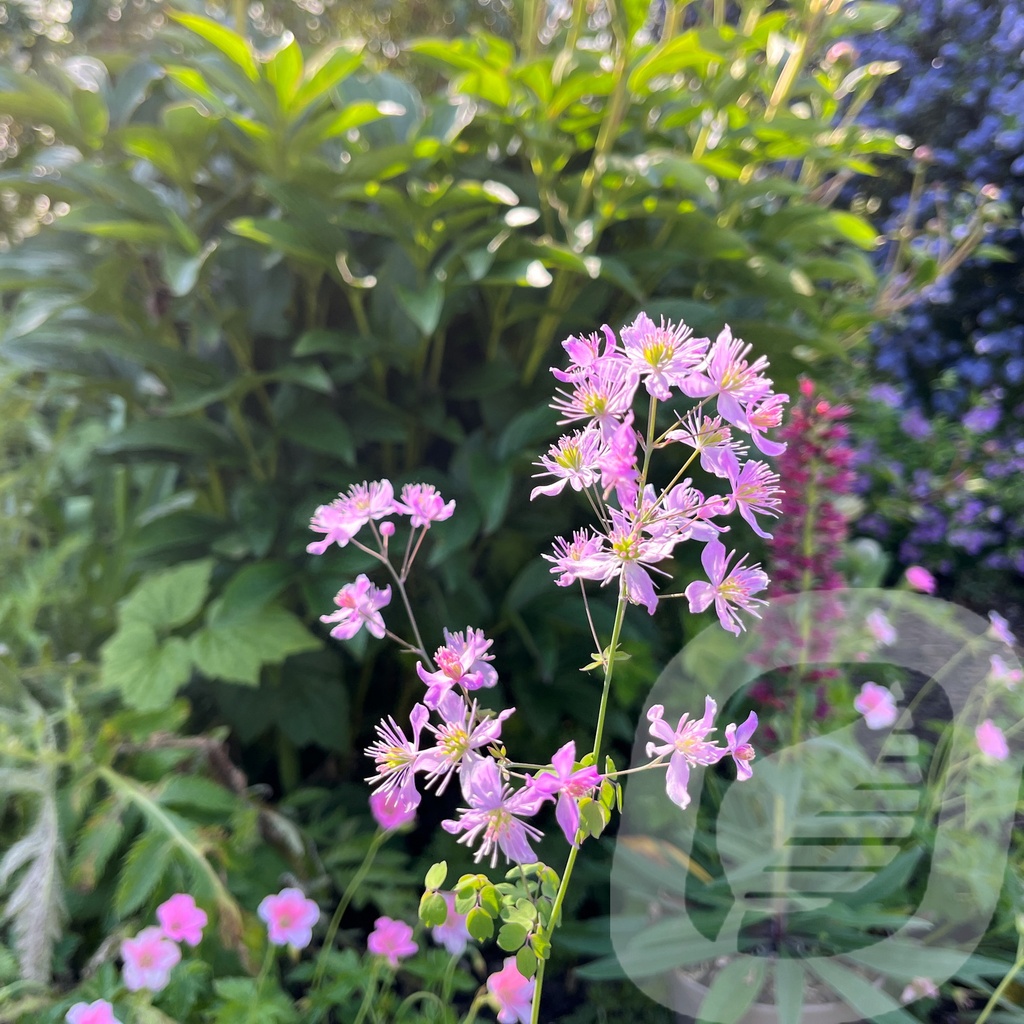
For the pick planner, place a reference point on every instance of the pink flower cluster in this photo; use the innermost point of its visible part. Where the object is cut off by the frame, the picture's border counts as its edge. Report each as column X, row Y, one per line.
column 603, row 456
column 150, row 957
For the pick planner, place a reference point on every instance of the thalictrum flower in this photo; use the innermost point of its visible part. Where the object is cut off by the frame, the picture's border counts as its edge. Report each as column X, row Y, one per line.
column 359, row 605
column 755, row 492
column 585, row 354
column 618, row 465
column 719, row 451
column 493, row 816
column 604, row 396
column 462, row 661
column 424, row 505
column 149, row 959
column 391, row 809
column 289, row 917
column 919, row 988
column 877, row 705
column 663, row 357
column 512, row 992
column 738, row 747
column 687, row 745
column 397, row 757
column 98, row 1012
column 999, row 629
column 991, row 741
column 629, row 554
column 921, row 579
column 391, row 939
column 728, row 589
column 569, row 786
column 334, row 522
column 453, row 934
column 578, row 559
column 764, row 415
column 181, row 920
column 573, row 460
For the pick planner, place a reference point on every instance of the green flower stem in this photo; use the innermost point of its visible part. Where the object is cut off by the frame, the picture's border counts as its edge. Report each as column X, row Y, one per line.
column 268, row 959
column 346, row 899
column 371, row 992
column 480, row 1000
column 1005, row 983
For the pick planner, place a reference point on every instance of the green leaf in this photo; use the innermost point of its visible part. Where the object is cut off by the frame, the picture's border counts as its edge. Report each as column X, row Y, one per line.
column 235, row 47
column 480, row 924
column 856, row 229
column 526, row 962
column 789, row 988
column 192, row 792
column 141, row 872
column 868, row 17
column 433, row 909
column 327, row 68
column 146, row 674
column 320, row 430
column 511, row 936
column 859, row 994
column 423, row 307
column 284, row 70
column 100, row 836
column 732, row 991
column 436, row 875
column 170, row 598
column 93, row 116
column 185, row 436
column 234, row 649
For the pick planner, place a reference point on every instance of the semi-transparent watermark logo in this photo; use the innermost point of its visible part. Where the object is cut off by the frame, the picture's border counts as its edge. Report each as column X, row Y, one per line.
column 863, row 861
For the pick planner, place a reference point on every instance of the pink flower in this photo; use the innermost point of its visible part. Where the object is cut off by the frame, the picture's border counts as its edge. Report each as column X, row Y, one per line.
column 391, row 939
column 880, row 628
column 921, row 579
column 991, row 741
column 424, row 504
column 344, row 517
column 737, row 746
column 493, row 816
column 99, row 1012
column 604, row 395
column 755, row 491
column 462, row 661
column 728, row 588
column 453, row 934
column 359, row 605
column 618, row 464
column 877, row 705
column 181, row 920
column 585, row 354
column 664, row 356
column 397, row 757
column 919, row 988
column 999, row 629
column 764, row 415
column 718, row 450
column 573, row 460
column 391, row 809
column 334, row 523
column 1000, row 672
column 512, row 992
column 688, row 744
column 149, row 959
column 570, row 786
column 289, row 917
column 578, row 559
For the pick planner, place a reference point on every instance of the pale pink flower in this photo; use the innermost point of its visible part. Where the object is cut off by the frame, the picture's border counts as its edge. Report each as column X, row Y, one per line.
column 585, row 354
column 391, row 809
column 359, row 605
column 462, row 661
column 98, row 1012
column 397, row 757
column 755, row 491
column 877, row 705
column 453, row 934
column 512, row 992
column 618, row 463
column 578, row 559
column 920, row 579
column 573, row 460
column 604, row 396
column 181, row 920
column 344, row 517
column 664, row 356
column 729, row 589
column 629, row 554
column 764, row 415
column 719, row 452
column 999, row 629
column 1000, row 672
column 688, row 744
column 493, row 816
column 569, row 786
column 919, row 988
column 424, row 505
column 335, row 523
column 289, row 917
column 880, row 628
column 738, row 747
column 991, row 741
column 391, row 939
column 149, row 959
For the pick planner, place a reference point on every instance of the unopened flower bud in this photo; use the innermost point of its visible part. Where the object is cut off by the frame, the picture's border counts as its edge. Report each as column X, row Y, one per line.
column 924, row 154
column 387, row 529
column 841, row 51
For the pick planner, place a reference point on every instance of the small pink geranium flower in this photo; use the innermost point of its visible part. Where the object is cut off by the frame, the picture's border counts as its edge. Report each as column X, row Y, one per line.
column 149, row 959
column 877, row 705
column 512, row 992
column 991, row 741
column 920, row 579
column 99, row 1012
column 453, row 934
column 391, row 939
column 181, row 920
column 289, row 917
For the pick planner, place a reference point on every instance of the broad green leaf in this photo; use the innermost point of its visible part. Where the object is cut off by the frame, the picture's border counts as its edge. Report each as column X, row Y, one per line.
column 436, row 875
column 234, row 650
column 168, row 599
column 734, row 988
column 327, row 68
column 424, row 306
column 284, row 70
column 856, row 229
column 284, row 237
column 858, row 993
column 511, row 936
column 192, row 792
column 184, row 436
column 320, row 430
column 235, row 47
column 790, row 979
column 93, row 116
column 433, row 909
column 526, row 962
column 145, row 673
column 479, row 924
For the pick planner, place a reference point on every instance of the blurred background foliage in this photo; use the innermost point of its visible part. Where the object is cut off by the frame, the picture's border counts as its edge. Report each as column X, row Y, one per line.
column 254, row 253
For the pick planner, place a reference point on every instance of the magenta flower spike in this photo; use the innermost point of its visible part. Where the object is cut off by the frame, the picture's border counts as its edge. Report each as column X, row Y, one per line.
column 728, row 589
column 738, row 746
column 462, row 661
column 662, row 356
column 453, row 934
column 569, row 786
column 391, row 939
column 424, row 505
column 181, row 920
column 149, row 959
column 359, row 605
column 289, row 917
column 493, row 816
column 877, row 705
column 512, row 992
column 687, row 745
column 991, row 741
column 98, row 1012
